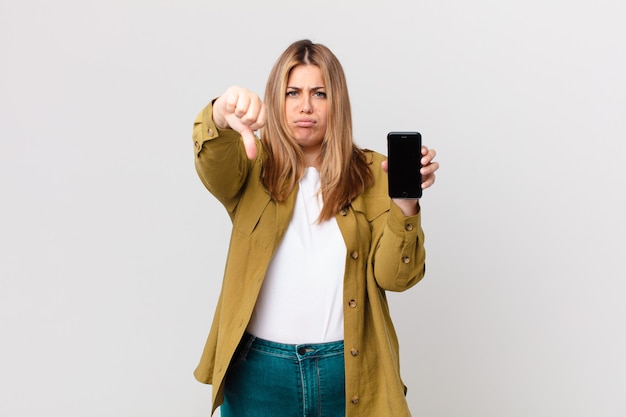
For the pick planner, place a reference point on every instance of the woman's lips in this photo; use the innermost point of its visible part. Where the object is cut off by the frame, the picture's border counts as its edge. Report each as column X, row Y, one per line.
column 305, row 122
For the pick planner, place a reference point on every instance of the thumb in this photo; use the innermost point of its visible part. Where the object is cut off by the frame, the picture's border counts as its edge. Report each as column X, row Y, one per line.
column 246, row 132
column 249, row 142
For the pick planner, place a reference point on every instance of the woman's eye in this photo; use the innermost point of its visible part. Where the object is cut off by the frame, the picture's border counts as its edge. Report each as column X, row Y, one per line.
column 320, row 94
column 292, row 93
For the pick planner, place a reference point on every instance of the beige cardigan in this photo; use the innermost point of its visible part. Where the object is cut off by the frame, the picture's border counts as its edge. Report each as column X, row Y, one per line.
column 385, row 252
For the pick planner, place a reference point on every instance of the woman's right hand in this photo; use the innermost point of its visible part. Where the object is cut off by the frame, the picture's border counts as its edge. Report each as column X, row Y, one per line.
column 244, row 112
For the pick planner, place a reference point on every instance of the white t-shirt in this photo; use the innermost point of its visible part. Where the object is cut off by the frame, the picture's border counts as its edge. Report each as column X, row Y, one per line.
column 301, row 300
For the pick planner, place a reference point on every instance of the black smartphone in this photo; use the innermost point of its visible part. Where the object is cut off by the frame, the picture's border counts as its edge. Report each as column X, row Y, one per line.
column 404, row 153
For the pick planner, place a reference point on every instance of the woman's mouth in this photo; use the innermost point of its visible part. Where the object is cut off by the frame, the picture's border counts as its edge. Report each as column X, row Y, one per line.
column 305, row 122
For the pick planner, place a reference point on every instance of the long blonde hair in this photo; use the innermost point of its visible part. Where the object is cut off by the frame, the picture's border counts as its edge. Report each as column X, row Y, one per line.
column 344, row 170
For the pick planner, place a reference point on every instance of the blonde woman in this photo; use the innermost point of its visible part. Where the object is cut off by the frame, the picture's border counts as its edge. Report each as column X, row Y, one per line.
column 302, row 326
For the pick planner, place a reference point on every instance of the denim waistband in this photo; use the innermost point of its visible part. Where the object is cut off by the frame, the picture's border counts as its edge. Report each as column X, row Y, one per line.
column 300, row 350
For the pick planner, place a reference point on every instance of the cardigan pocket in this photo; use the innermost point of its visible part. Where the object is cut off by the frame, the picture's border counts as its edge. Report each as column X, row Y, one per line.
column 372, row 207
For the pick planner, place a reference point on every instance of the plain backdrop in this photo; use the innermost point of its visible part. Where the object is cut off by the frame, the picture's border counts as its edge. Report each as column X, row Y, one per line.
column 112, row 251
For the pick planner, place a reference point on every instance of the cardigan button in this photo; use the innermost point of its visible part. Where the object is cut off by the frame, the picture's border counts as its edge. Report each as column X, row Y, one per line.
column 355, row 399
column 354, row 255
column 406, row 259
column 354, row 352
column 196, row 145
column 210, row 132
column 352, row 303
column 344, row 212
column 408, row 227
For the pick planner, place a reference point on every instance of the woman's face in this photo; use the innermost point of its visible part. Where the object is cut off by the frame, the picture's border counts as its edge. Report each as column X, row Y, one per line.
column 306, row 107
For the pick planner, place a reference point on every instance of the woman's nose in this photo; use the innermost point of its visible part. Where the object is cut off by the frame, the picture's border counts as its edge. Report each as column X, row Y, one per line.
column 306, row 106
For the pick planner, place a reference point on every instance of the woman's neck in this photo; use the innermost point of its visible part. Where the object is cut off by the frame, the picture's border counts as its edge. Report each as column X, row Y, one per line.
column 312, row 158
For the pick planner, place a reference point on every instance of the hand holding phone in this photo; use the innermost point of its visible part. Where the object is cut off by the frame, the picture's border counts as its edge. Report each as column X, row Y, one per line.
column 404, row 154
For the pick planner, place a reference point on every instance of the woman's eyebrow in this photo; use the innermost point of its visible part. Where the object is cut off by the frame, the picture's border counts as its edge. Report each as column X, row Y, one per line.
column 300, row 88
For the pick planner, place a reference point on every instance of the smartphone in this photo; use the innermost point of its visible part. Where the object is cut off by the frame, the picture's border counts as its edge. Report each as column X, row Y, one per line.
column 404, row 153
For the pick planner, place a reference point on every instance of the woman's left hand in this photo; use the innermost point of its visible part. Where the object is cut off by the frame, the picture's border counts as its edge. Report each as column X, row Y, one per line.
column 428, row 167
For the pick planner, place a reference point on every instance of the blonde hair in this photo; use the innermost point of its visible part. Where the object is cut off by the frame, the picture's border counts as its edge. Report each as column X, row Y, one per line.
column 344, row 170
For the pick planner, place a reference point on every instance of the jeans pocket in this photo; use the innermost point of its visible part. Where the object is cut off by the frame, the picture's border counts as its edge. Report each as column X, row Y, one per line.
column 241, row 353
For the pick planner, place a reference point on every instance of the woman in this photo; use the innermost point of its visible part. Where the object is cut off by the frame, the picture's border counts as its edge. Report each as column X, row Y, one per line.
column 302, row 326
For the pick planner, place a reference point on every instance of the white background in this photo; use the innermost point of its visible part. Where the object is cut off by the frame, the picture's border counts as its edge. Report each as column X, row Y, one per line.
column 111, row 250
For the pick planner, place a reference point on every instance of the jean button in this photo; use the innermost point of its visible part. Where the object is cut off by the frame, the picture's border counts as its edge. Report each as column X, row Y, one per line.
column 301, row 350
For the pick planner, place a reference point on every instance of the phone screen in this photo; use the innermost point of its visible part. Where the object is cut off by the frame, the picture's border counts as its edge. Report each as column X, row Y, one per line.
column 404, row 153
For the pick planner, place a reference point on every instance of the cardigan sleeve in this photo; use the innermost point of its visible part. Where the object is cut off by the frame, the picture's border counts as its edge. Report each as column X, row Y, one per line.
column 397, row 254
column 399, row 258
column 220, row 159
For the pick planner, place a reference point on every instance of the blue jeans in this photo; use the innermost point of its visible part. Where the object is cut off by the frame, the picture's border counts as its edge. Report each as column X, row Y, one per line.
column 268, row 379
